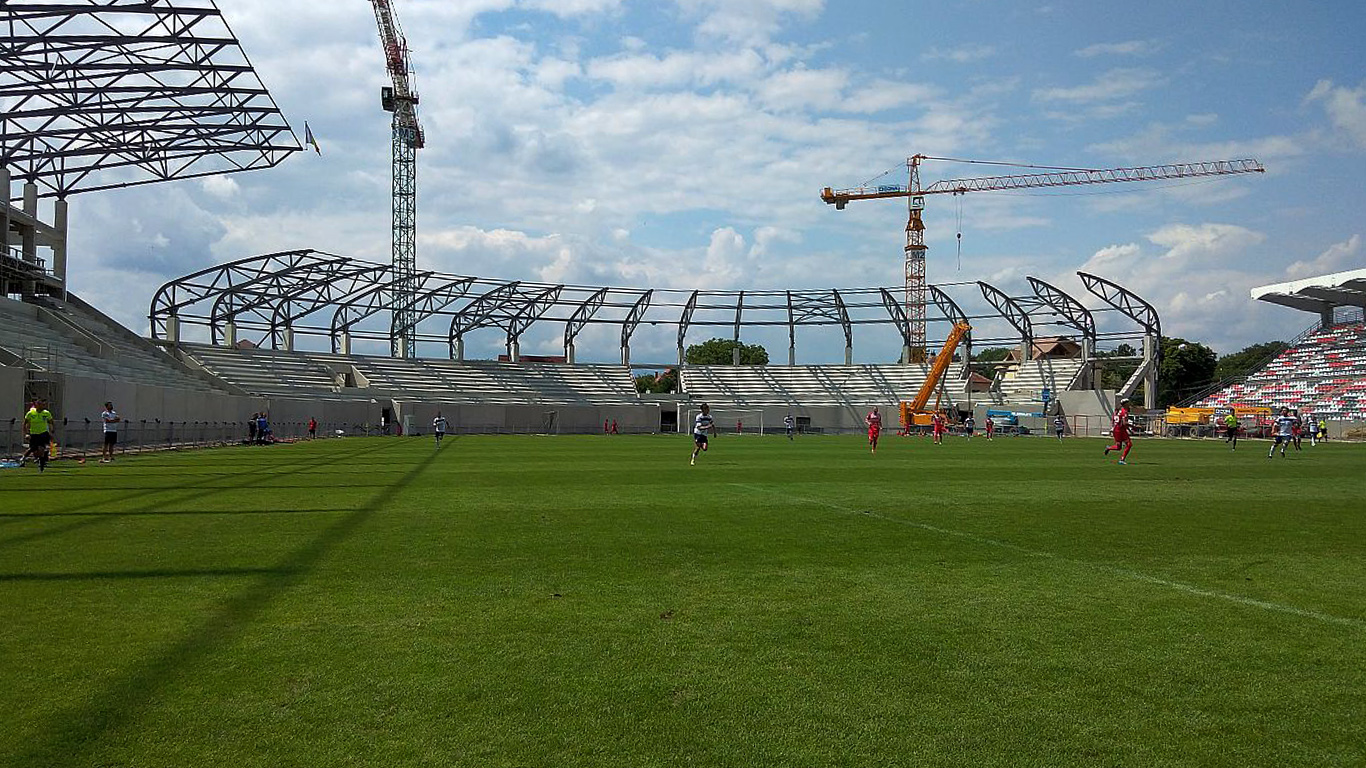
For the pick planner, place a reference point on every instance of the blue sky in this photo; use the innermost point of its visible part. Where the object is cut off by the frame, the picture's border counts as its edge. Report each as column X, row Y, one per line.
column 683, row 144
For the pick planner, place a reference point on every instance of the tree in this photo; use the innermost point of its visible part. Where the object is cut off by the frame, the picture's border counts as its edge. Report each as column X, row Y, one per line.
column 721, row 352
column 982, row 359
column 1248, row 360
column 663, row 382
column 1186, row 368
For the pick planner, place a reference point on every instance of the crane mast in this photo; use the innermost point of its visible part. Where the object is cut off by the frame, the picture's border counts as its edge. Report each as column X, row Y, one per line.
column 401, row 99
column 1059, row 177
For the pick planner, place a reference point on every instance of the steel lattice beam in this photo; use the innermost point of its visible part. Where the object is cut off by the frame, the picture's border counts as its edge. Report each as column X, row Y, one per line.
column 1126, row 301
column 1074, row 312
column 104, row 94
column 1011, row 310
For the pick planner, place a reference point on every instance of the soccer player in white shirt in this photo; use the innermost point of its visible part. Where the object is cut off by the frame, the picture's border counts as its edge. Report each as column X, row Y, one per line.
column 788, row 423
column 1285, row 432
column 439, row 427
column 701, row 426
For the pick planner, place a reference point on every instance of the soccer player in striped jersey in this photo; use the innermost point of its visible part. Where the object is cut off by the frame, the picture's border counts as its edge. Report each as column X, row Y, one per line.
column 701, row 426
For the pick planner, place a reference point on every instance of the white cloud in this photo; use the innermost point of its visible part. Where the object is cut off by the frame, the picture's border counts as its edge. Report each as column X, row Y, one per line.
column 1345, row 107
column 746, row 21
column 1108, row 86
column 962, row 54
column 1338, row 257
column 1127, row 48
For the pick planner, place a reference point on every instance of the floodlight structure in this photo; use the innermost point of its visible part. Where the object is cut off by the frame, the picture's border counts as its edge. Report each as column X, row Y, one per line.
column 103, row 94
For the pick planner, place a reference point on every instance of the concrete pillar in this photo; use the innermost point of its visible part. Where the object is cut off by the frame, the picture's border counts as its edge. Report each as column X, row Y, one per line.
column 625, row 354
column 59, row 219
column 287, row 336
column 569, row 354
column 1326, row 318
column 514, row 351
column 173, row 329
column 680, row 354
column 30, row 236
column 346, row 342
column 230, row 333
column 791, row 355
column 735, row 355
column 4, row 216
column 905, row 354
column 1151, row 345
column 849, row 355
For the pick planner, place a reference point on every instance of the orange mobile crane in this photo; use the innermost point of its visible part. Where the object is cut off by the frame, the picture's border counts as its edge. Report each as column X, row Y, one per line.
column 1056, row 177
column 913, row 414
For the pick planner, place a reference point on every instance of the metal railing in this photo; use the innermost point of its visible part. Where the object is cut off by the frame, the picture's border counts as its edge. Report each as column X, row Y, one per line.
column 84, row 438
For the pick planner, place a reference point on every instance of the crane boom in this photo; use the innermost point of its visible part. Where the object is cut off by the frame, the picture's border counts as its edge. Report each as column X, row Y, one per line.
column 401, row 99
column 1060, row 177
column 936, row 375
column 840, row 197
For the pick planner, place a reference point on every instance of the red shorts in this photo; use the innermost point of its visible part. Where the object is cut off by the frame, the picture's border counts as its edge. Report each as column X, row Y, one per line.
column 873, row 432
column 1121, row 435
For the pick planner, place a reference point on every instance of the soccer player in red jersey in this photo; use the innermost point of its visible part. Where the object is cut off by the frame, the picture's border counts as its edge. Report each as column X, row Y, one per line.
column 874, row 422
column 937, row 426
column 991, row 427
column 1121, row 432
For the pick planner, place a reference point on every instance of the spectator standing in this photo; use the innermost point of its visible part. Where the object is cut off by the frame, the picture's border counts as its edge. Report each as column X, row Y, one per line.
column 111, row 420
column 312, row 428
column 251, row 427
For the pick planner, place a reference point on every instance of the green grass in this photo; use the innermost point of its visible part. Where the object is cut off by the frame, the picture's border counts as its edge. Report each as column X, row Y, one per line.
column 595, row 601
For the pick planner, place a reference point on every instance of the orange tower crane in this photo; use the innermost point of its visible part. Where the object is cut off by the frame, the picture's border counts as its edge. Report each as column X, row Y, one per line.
column 1056, row 177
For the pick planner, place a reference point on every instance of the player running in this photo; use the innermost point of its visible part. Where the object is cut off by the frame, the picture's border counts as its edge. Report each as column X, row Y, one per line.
column 1231, row 430
column 789, row 424
column 702, row 425
column 1121, row 432
column 874, row 422
column 1059, row 426
column 1285, row 432
column 439, row 427
column 38, row 429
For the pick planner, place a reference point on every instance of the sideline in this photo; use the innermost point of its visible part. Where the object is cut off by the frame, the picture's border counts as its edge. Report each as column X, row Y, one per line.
column 1136, row 575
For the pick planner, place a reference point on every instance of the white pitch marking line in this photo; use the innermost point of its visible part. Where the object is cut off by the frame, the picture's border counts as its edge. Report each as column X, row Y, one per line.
column 1187, row 588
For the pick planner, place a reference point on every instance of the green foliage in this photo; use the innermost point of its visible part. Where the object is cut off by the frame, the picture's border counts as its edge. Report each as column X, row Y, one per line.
column 585, row 601
column 1186, row 368
column 1114, row 375
column 721, row 352
column 1244, row 362
column 658, row 383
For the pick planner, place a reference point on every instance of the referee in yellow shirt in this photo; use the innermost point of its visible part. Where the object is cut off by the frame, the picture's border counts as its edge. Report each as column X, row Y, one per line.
column 38, row 428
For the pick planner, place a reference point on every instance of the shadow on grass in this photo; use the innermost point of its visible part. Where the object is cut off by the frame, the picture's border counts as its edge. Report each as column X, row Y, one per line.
column 89, row 515
column 156, row 574
column 74, row 735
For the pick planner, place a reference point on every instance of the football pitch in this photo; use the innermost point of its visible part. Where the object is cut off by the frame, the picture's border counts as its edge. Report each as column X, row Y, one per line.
column 595, row 601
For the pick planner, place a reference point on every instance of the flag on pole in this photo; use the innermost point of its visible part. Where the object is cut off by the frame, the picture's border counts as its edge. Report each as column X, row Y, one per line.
column 309, row 140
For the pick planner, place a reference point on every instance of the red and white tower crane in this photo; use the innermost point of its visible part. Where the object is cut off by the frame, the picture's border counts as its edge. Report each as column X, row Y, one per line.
column 400, row 98
column 1056, row 177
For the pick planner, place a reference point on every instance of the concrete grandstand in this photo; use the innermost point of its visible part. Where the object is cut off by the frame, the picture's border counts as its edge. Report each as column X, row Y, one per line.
column 1323, row 371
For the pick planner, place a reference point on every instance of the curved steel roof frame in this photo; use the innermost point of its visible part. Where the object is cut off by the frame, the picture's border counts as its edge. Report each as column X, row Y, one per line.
column 1074, row 313
column 1124, row 300
column 251, row 296
column 184, row 292
column 274, row 291
column 582, row 315
column 103, row 94
column 312, row 298
column 1011, row 310
column 898, row 316
column 802, row 306
column 634, row 316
